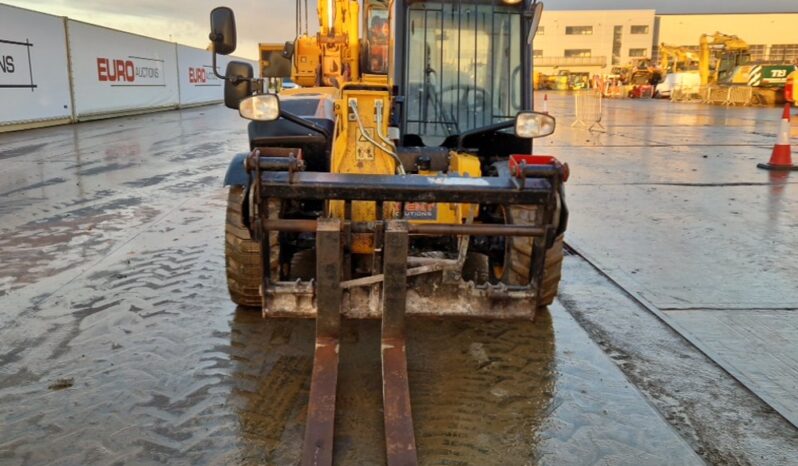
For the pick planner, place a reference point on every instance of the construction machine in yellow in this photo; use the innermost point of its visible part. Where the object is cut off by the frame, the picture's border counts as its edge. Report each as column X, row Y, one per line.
column 726, row 61
column 674, row 59
column 397, row 181
column 275, row 69
column 726, row 51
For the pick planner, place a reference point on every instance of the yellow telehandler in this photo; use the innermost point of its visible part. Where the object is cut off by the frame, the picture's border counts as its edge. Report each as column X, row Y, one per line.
column 397, row 180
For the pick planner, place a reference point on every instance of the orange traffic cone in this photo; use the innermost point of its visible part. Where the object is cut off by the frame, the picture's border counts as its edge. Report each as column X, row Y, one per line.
column 781, row 159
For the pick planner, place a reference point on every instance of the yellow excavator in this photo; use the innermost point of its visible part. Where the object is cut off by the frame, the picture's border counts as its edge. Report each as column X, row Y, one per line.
column 397, row 181
column 733, row 66
column 728, row 53
column 674, row 59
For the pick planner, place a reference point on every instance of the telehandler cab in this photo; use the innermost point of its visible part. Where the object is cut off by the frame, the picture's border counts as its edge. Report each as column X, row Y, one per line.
column 397, row 180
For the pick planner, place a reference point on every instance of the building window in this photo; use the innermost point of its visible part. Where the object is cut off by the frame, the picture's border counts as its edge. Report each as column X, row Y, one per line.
column 617, row 37
column 638, row 53
column 541, row 30
column 758, row 52
column 579, row 30
column 582, row 53
column 639, row 29
column 537, row 53
column 786, row 53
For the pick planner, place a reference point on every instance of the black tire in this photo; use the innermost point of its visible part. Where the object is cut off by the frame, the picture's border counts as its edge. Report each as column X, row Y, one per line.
column 519, row 256
column 242, row 254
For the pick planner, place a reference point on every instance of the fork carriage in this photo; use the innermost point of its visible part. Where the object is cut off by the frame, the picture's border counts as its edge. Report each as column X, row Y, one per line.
column 435, row 286
column 400, row 284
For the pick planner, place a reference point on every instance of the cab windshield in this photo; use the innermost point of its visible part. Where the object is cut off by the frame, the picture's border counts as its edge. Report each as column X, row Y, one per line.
column 464, row 68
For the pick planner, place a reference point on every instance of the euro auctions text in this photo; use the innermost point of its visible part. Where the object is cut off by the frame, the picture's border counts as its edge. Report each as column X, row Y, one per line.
column 131, row 71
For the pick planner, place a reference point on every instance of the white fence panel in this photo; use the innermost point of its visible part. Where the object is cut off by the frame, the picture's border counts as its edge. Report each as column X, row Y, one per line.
column 34, row 77
column 589, row 109
column 198, row 84
column 116, row 72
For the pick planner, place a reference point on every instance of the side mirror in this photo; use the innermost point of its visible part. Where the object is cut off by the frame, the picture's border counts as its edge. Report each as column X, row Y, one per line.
column 238, row 85
column 223, row 30
column 531, row 125
column 537, row 13
column 288, row 50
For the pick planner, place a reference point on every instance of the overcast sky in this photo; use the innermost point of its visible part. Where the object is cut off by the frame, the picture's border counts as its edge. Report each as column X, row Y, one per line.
column 186, row 21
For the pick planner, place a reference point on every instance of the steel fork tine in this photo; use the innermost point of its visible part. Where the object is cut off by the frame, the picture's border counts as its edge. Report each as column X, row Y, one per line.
column 400, row 439
column 320, row 424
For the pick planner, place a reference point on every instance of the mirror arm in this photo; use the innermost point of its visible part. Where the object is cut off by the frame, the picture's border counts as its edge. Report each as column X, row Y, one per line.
column 233, row 79
column 215, row 68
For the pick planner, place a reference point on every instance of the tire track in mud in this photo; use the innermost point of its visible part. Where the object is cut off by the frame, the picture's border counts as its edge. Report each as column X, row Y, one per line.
column 58, row 244
column 163, row 369
column 129, row 339
column 481, row 391
column 158, row 372
column 78, row 232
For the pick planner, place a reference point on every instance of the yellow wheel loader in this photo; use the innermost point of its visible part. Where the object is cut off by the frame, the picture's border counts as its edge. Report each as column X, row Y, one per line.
column 398, row 180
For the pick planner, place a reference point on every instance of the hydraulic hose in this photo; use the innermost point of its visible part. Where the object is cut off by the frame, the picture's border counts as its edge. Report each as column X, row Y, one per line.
column 383, row 137
column 390, row 151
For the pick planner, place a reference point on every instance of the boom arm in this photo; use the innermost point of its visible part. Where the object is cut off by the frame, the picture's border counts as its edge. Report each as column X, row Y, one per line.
column 333, row 56
column 725, row 43
column 680, row 55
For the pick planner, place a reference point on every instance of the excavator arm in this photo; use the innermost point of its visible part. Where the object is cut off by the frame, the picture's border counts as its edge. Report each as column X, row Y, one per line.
column 671, row 57
column 332, row 57
column 724, row 44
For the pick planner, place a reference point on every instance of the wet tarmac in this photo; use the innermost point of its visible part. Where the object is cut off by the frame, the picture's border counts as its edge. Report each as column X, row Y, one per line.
column 118, row 344
column 720, row 418
column 669, row 202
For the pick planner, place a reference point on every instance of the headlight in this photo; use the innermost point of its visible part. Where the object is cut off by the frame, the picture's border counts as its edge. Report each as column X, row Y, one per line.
column 534, row 125
column 264, row 107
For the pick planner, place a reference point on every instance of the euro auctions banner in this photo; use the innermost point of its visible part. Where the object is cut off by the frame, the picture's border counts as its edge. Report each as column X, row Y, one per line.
column 34, row 77
column 116, row 71
column 198, row 83
column 131, row 71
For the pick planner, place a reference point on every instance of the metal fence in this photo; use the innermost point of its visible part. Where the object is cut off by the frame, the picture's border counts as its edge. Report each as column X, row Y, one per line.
column 571, row 61
column 740, row 95
column 729, row 96
column 614, row 90
column 680, row 94
column 716, row 95
column 589, row 110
